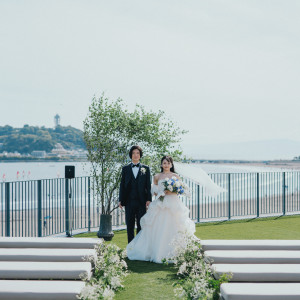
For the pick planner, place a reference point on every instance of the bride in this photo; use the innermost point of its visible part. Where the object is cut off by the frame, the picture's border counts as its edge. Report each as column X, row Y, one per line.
column 164, row 220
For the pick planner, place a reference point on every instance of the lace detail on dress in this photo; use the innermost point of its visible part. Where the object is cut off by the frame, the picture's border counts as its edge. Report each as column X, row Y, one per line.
column 154, row 189
column 158, row 189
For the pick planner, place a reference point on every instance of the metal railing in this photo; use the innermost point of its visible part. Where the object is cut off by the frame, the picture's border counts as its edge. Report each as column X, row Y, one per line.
column 51, row 206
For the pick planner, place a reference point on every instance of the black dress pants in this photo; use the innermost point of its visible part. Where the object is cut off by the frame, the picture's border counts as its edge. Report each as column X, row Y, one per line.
column 133, row 213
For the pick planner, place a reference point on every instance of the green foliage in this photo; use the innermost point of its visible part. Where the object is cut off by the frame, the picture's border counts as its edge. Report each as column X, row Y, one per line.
column 109, row 270
column 30, row 138
column 109, row 132
column 195, row 274
column 215, row 284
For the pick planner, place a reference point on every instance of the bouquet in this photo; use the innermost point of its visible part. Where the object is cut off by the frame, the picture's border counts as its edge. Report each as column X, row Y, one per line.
column 174, row 185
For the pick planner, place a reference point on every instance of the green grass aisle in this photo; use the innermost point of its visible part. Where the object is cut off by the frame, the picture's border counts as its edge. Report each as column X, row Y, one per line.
column 148, row 281
column 154, row 281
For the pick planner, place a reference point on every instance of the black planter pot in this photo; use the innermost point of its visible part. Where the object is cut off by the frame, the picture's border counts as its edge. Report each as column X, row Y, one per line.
column 105, row 230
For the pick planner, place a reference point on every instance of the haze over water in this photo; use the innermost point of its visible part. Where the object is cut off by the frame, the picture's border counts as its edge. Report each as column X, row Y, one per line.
column 49, row 170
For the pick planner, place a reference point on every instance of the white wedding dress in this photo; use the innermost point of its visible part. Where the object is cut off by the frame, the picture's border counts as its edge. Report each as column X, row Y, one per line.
column 161, row 224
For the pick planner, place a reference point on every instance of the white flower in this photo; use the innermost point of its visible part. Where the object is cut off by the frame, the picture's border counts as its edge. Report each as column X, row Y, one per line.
column 110, row 260
column 115, row 282
column 182, row 268
column 143, row 170
column 108, row 294
column 124, row 264
column 88, row 292
column 170, row 188
column 115, row 258
column 193, row 269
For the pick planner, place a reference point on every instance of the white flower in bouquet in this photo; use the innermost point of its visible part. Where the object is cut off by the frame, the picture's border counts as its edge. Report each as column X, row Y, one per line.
column 174, row 185
column 170, row 188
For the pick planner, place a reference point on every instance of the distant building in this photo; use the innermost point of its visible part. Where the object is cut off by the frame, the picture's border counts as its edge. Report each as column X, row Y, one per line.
column 38, row 154
column 79, row 153
column 56, row 120
column 60, row 151
column 10, row 154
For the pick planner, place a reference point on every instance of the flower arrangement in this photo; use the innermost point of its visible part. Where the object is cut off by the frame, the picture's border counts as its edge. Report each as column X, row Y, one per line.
column 109, row 269
column 143, row 170
column 174, row 185
column 195, row 274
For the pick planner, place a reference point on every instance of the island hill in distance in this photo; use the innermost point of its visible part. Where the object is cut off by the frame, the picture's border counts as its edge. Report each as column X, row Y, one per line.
column 65, row 143
column 34, row 143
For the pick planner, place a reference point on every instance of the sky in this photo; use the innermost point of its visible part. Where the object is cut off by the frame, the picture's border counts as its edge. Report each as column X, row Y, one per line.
column 226, row 71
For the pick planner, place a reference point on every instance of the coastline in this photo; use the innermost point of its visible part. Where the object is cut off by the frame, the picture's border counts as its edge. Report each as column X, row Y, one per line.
column 22, row 160
column 280, row 164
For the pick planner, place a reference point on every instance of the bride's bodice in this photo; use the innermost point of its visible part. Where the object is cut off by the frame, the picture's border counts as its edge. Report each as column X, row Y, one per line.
column 156, row 188
column 160, row 181
column 159, row 189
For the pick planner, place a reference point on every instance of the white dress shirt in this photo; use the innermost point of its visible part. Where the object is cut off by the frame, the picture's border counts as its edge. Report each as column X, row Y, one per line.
column 135, row 171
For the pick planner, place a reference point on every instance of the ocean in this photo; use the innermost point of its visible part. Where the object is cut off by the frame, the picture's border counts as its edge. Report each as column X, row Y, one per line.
column 15, row 171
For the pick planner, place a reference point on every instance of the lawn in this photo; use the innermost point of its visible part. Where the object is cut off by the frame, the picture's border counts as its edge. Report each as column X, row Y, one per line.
column 154, row 281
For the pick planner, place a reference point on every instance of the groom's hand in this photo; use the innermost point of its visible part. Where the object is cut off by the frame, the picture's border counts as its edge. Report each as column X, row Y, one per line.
column 120, row 205
column 148, row 203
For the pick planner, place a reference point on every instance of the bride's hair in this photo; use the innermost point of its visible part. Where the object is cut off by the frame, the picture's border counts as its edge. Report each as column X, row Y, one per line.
column 170, row 160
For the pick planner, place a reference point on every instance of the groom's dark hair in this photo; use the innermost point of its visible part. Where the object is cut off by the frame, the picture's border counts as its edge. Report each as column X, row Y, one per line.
column 135, row 147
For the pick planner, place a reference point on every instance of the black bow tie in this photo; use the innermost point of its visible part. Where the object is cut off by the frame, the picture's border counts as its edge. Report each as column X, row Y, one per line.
column 137, row 165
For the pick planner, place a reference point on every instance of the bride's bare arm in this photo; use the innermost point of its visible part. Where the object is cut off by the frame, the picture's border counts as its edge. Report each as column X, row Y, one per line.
column 156, row 177
column 155, row 181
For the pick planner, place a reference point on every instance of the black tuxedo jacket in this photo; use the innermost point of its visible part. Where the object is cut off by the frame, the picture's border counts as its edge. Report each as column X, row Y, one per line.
column 144, row 184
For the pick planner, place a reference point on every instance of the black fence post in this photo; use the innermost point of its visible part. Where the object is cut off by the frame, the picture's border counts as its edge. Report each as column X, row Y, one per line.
column 89, row 204
column 39, row 207
column 198, row 203
column 7, row 209
column 257, row 195
column 67, row 213
column 283, row 193
column 229, row 200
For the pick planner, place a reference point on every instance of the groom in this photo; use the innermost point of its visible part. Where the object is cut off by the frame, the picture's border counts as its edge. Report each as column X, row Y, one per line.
column 135, row 191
